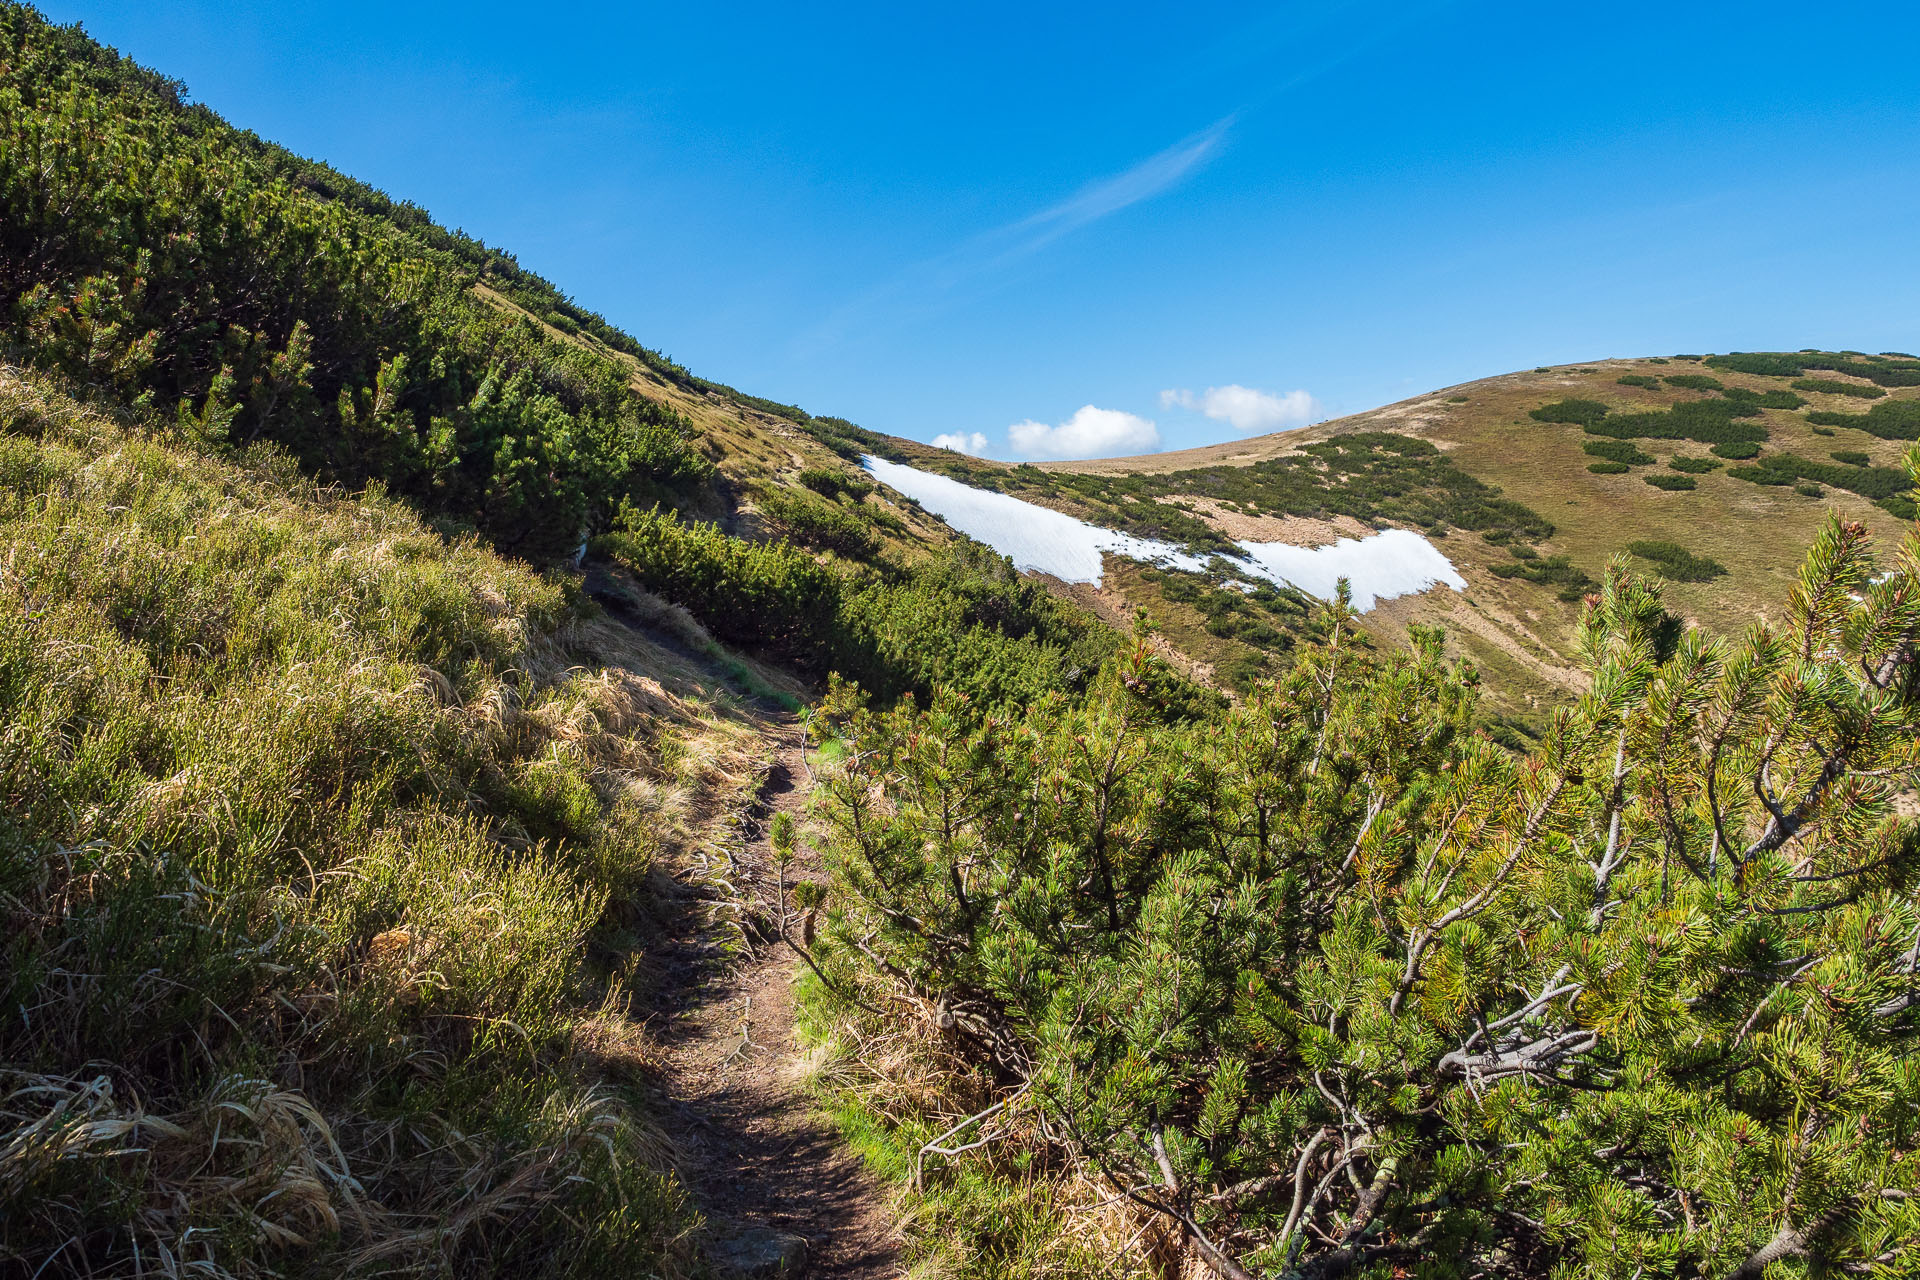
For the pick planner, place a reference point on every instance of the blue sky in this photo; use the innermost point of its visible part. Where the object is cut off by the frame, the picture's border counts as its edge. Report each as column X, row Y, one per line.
column 1045, row 230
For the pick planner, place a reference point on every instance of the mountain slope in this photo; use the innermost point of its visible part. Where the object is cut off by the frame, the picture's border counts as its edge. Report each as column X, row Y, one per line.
column 400, row 696
column 1526, row 572
column 325, row 843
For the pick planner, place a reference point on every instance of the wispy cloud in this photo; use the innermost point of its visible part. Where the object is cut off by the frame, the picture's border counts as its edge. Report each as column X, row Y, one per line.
column 933, row 282
column 1097, row 200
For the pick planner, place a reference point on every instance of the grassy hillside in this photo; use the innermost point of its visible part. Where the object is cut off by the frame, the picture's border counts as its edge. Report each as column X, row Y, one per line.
column 1529, row 500
column 337, row 824
column 361, row 876
column 328, row 862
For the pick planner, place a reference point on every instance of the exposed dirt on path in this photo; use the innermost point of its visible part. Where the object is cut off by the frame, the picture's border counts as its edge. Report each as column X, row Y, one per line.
column 757, row 1150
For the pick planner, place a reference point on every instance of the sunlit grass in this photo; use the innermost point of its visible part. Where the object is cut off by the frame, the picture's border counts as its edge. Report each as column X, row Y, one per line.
column 314, row 826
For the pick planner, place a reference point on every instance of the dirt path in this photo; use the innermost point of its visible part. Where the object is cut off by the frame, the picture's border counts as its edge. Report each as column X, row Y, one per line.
column 760, row 1156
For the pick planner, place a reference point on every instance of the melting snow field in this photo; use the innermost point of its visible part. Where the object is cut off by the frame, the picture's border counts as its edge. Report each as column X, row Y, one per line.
column 1396, row 562
column 1393, row 562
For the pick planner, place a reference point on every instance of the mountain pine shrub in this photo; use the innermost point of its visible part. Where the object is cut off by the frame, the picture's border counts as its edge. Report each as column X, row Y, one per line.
column 1671, row 560
column 1695, row 382
column 1624, row 451
column 1329, row 983
column 1889, row 420
column 1834, row 387
column 150, row 251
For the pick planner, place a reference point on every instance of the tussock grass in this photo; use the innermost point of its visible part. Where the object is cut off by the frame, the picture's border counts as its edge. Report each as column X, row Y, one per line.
column 322, row 844
column 1004, row 1208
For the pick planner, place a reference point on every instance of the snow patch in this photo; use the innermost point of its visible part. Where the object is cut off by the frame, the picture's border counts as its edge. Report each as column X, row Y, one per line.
column 1392, row 563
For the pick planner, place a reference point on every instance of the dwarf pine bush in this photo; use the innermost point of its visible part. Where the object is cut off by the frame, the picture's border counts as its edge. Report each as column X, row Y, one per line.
column 961, row 618
column 150, row 249
column 1671, row 560
column 1329, row 983
column 1621, row 451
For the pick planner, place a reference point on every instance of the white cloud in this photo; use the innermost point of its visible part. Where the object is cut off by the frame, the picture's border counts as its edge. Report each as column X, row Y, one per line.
column 1089, row 433
column 973, row 442
column 1246, row 408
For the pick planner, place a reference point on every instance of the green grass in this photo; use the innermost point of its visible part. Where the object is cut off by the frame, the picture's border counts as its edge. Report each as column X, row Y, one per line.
column 317, row 840
column 998, row 1212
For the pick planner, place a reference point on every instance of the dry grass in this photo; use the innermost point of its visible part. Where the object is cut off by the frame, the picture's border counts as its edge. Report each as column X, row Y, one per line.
column 332, row 853
column 1520, row 634
column 1008, row 1207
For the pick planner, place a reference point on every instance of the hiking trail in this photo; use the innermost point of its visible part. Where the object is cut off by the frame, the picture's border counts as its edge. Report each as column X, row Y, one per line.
column 763, row 1161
